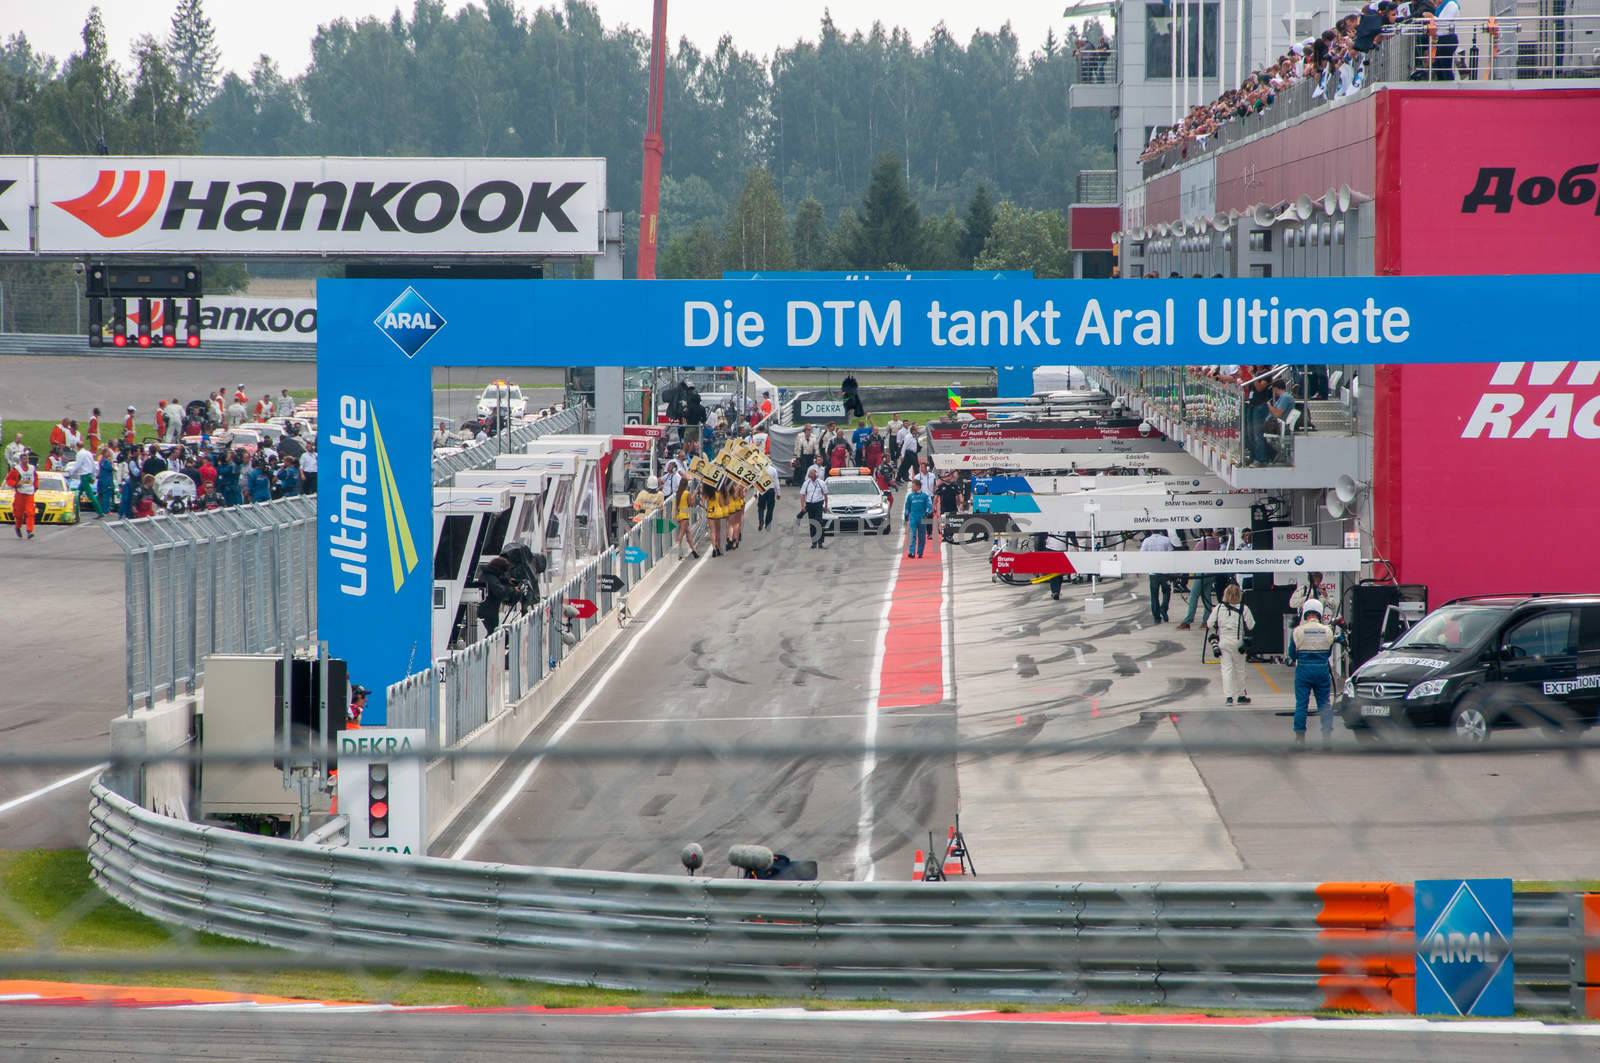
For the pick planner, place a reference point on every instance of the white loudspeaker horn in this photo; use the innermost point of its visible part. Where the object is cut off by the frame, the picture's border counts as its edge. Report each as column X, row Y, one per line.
column 1346, row 489
column 1263, row 216
column 1164, row 229
column 1222, row 223
column 1333, row 503
column 1304, row 207
column 1349, row 197
column 1179, row 229
column 1330, row 201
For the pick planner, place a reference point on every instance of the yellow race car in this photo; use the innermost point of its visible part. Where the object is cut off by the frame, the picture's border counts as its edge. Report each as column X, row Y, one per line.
column 53, row 503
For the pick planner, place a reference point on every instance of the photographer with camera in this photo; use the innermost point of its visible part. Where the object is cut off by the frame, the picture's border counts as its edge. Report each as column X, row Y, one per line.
column 500, row 589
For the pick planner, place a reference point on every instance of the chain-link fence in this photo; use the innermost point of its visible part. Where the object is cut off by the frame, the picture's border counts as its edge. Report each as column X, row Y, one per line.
column 235, row 580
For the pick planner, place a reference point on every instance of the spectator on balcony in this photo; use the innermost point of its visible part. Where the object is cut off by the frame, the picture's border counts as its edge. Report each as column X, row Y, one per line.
column 1445, row 13
column 1257, row 400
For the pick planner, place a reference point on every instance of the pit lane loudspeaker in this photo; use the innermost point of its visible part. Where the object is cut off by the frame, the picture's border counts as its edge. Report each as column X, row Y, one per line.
column 1333, row 503
column 1263, row 216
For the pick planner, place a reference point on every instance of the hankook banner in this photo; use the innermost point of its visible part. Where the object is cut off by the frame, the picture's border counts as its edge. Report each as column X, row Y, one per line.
column 243, row 317
column 322, row 206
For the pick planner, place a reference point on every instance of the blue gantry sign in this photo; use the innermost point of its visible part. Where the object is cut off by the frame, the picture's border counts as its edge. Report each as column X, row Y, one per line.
column 1464, row 951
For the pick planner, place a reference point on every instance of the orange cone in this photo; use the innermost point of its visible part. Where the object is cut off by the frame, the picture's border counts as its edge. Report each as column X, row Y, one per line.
column 917, row 865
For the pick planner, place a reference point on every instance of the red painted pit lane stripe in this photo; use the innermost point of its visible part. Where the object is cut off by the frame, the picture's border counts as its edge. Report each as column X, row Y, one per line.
column 1099, row 1018
column 912, row 672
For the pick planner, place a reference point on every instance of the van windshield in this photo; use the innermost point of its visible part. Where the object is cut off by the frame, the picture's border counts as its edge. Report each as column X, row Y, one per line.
column 1454, row 628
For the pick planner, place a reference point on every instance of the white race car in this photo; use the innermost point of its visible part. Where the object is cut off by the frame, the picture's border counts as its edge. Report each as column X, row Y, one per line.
column 856, row 501
column 502, row 396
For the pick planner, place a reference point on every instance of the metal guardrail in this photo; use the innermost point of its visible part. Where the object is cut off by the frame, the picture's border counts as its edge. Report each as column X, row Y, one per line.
column 1203, row 945
column 78, row 346
column 475, row 684
column 482, row 455
column 234, row 580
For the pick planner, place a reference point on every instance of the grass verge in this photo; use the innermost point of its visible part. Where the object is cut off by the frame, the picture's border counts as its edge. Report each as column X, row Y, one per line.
column 36, row 434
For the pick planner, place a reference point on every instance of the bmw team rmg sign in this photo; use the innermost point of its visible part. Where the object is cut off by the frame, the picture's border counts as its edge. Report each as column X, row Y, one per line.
column 236, row 205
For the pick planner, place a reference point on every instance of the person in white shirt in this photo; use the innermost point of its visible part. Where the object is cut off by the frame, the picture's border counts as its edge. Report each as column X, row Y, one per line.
column 308, row 469
column 926, row 478
column 767, row 501
column 235, row 414
column 1160, row 585
column 814, row 497
column 286, row 404
column 908, row 451
column 16, row 450
column 80, row 474
column 1445, row 13
column 891, row 435
column 1228, row 626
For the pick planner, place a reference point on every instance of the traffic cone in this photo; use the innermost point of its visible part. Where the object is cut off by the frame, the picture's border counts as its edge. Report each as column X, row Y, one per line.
column 918, row 863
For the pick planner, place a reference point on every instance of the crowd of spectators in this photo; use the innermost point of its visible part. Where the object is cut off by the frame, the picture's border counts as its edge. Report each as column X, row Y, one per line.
column 1335, row 62
column 197, row 458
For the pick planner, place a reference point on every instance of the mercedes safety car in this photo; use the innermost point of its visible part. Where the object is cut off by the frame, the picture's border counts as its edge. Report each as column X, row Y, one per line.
column 856, row 501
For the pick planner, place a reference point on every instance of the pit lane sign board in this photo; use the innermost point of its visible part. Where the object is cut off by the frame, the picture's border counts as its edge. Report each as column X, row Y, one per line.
column 1464, row 952
column 1176, row 562
column 1016, row 461
column 1063, row 513
column 16, row 202
column 1131, row 485
column 99, row 204
column 404, row 796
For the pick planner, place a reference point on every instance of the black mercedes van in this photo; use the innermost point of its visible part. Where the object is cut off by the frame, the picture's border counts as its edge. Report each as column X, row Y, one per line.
column 1477, row 664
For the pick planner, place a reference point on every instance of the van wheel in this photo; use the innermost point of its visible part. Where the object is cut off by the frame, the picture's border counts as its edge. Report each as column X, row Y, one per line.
column 1469, row 722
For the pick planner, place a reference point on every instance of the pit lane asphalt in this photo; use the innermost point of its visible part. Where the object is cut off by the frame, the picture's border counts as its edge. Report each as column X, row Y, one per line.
column 65, row 1035
column 772, row 642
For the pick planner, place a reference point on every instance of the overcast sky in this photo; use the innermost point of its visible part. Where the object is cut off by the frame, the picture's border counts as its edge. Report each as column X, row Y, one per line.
column 283, row 28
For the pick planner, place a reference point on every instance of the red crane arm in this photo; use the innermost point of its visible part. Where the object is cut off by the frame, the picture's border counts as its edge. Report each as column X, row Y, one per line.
column 650, row 187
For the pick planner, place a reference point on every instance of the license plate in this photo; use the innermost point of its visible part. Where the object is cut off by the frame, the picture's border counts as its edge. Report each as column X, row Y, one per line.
column 1374, row 710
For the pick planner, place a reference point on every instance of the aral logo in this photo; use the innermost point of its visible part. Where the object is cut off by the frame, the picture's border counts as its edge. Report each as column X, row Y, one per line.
column 409, row 322
column 115, row 208
column 1463, row 951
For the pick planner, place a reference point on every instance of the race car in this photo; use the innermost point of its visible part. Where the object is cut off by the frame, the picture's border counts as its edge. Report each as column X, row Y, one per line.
column 53, row 503
column 855, row 500
column 502, row 396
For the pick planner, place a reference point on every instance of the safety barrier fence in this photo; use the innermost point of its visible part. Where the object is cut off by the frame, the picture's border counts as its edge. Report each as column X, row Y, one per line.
column 238, row 580
column 234, row 580
column 473, row 685
column 210, row 350
column 1283, row 946
column 482, row 455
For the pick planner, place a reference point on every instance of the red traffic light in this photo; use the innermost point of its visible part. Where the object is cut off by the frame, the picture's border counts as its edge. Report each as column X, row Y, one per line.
column 169, row 341
column 119, row 340
column 194, row 341
column 144, row 340
column 379, row 810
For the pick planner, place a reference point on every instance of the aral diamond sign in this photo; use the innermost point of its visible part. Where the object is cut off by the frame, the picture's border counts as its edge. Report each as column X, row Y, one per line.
column 1464, row 961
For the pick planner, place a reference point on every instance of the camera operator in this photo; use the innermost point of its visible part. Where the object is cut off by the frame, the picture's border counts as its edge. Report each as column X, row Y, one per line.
column 500, row 589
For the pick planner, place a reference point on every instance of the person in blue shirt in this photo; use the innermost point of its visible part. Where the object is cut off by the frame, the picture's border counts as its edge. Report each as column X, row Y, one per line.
column 258, row 484
column 1310, row 647
column 106, row 481
column 289, row 479
column 858, row 441
column 918, row 506
column 228, row 473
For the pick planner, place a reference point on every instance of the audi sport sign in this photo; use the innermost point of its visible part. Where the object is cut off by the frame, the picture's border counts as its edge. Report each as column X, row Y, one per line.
column 233, row 205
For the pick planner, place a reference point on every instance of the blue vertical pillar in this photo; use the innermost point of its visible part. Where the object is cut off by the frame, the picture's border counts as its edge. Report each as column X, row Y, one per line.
column 1015, row 381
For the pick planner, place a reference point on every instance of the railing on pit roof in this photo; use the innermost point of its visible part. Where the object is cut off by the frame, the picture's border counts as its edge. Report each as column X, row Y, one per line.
column 1532, row 48
column 482, row 455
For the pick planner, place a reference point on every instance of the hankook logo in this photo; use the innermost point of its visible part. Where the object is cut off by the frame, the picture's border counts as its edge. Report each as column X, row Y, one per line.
column 116, row 207
column 119, row 205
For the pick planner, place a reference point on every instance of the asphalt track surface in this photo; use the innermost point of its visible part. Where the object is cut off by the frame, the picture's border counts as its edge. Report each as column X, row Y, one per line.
column 771, row 642
column 53, row 1034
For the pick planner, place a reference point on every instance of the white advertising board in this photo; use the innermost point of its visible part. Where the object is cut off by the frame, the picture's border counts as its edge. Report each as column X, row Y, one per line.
column 1064, row 513
column 1018, row 461
column 1174, row 562
column 99, row 204
column 821, row 408
column 381, row 789
column 1123, row 485
column 241, row 317
column 1291, row 538
column 16, row 196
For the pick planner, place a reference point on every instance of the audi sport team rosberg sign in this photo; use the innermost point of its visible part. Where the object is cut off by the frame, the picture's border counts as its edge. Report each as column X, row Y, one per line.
column 300, row 206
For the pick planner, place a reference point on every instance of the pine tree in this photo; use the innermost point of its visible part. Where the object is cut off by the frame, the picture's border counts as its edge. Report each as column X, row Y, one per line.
column 891, row 224
column 192, row 48
column 979, row 224
column 810, row 235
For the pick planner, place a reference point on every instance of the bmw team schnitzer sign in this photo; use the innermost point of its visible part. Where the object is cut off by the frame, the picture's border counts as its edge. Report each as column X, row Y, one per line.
column 99, row 204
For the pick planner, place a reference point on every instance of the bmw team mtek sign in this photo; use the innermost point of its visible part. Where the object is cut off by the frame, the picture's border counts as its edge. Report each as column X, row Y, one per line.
column 100, row 204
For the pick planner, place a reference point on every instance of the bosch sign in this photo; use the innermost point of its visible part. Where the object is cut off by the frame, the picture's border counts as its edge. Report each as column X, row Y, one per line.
column 319, row 206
